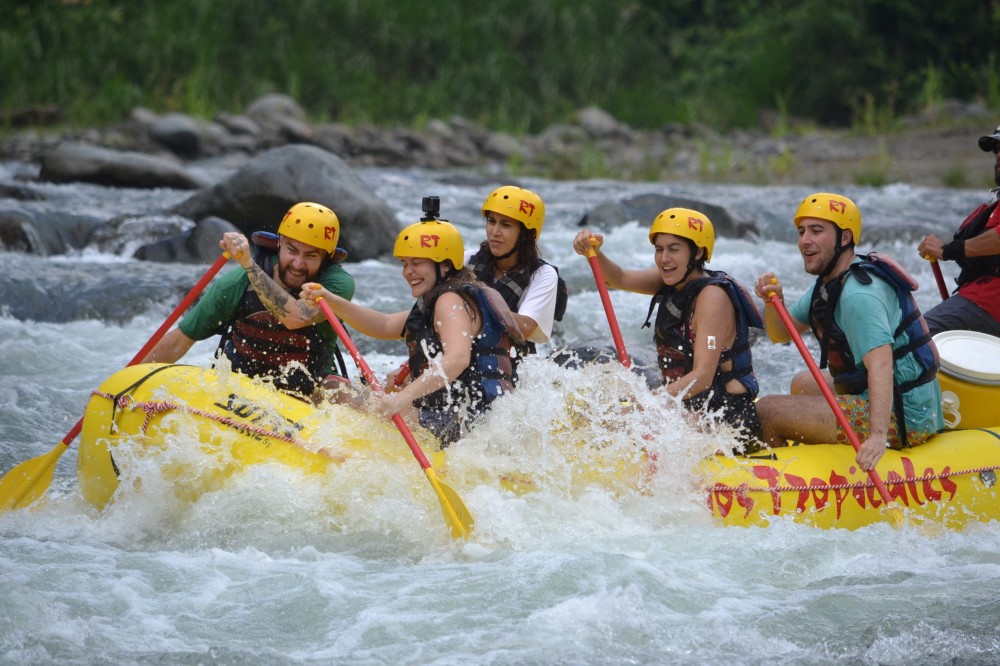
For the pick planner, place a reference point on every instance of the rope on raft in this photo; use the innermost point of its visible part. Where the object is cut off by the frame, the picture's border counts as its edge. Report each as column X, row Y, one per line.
column 151, row 408
column 743, row 489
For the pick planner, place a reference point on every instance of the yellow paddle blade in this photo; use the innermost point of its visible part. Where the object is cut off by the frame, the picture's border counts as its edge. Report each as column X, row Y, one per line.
column 455, row 512
column 28, row 481
column 896, row 516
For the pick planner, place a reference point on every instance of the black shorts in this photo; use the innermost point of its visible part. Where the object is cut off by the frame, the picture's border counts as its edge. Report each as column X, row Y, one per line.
column 738, row 410
column 960, row 314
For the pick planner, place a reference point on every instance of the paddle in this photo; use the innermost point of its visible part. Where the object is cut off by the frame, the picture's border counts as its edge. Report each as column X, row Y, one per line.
column 28, row 481
column 401, row 375
column 609, row 310
column 455, row 513
column 895, row 514
column 938, row 277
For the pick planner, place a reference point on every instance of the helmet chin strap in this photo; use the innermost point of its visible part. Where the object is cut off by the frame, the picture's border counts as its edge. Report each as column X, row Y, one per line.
column 687, row 272
column 512, row 252
column 691, row 264
column 837, row 251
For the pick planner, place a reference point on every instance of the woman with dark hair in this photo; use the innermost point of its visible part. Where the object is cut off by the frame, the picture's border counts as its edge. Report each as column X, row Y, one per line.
column 459, row 333
column 510, row 262
column 703, row 317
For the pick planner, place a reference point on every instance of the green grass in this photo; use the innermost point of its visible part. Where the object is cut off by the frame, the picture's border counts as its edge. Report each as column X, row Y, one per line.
column 506, row 64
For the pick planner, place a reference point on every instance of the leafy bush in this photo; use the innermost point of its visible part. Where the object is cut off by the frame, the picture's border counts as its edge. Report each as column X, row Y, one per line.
column 507, row 64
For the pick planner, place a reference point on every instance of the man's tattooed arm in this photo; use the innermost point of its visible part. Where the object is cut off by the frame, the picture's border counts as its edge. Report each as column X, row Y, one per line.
column 274, row 298
column 279, row 302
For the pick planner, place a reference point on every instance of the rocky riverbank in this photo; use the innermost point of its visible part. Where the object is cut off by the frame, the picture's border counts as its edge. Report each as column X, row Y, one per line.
column 273, row 157
column 936, row 149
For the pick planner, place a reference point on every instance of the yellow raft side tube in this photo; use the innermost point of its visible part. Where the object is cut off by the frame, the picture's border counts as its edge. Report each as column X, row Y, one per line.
column 239, row 421
column 949, row 480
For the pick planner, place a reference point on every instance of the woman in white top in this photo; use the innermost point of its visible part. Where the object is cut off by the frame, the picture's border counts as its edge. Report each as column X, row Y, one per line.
column 510, row 262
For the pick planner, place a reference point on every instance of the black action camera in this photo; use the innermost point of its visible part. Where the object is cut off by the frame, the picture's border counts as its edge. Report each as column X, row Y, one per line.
column 431, row 207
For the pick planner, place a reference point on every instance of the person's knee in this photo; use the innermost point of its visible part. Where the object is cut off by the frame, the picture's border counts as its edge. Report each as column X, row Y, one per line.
column 805, row 384
column 766, row 408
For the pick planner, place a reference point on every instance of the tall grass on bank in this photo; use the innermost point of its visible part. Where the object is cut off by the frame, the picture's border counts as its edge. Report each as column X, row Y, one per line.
column 507, row 64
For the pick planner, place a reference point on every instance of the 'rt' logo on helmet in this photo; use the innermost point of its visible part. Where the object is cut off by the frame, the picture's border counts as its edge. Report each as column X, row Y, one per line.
column 838, row 206
column 329, row 233
column 428, row 240
column 695, row 223
column 527, row 207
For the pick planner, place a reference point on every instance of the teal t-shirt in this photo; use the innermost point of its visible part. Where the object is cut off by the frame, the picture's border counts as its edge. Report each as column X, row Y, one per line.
column 869, row 314
column 217, row 306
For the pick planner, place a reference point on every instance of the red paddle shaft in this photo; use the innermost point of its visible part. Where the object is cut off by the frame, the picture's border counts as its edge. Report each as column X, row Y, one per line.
column 939, row 278
column 609, row 310
column 827, row 393
column 373, row 381
column 162, row 330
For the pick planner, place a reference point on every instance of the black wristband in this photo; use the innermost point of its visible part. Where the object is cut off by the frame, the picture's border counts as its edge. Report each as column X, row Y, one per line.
column 954, row 250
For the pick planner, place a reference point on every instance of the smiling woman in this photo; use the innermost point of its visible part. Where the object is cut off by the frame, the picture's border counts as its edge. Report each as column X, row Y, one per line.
column 458, row 333
column 703, row 319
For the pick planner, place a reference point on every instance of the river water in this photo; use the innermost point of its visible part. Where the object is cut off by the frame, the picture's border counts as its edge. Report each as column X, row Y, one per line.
column 356, row 566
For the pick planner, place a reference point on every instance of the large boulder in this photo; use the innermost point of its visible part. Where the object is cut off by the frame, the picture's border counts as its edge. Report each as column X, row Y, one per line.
column 76, row 162
column 197, row 245
column 256, row 197
column 644, row 207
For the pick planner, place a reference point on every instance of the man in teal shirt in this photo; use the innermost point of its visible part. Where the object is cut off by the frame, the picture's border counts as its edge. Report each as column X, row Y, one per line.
column 267, row 329
column 864, row 319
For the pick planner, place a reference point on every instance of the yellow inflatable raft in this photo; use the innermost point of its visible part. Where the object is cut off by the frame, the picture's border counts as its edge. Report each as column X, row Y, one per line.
column 950, row 479
column 237, row 421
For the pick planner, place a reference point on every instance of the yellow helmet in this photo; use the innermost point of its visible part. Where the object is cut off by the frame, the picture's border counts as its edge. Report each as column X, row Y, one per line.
column 518, row 203
column 686, row 223
column 312, row 224
column 834, row 208
column 436, row 240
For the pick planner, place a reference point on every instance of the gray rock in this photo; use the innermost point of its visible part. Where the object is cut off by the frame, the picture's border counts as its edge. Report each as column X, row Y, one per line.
column 644, row 207
column 75, row 162
column 143, row 117
column 281, row 117
column 180, row 133
column 44, row 233
column 238, row 125
column 197, row 245
column 16, row 235
column 256, row 197
column 599, row 351
column 125, row 234
column 599, row 123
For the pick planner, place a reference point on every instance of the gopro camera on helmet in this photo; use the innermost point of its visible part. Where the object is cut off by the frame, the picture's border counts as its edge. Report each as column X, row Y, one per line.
column 431, row 207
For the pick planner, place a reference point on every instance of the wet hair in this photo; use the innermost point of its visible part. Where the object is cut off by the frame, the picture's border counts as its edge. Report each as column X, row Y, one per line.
column 456, row 281
column 696, row 264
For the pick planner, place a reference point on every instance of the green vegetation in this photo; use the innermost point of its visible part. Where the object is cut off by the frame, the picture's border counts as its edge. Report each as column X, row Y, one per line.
column 513, row 65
